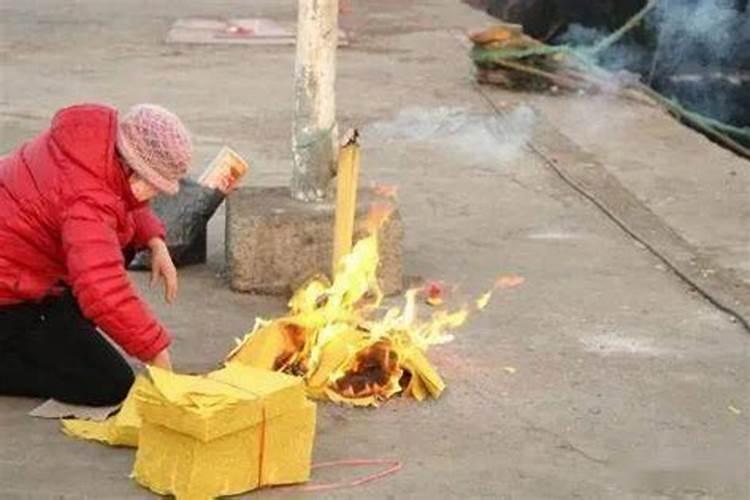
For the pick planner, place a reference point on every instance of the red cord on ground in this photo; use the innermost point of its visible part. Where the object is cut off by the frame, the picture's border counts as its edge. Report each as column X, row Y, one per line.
column 393, row 467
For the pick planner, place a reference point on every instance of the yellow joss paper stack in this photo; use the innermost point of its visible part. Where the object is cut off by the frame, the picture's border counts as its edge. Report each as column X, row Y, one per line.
column 224, row 433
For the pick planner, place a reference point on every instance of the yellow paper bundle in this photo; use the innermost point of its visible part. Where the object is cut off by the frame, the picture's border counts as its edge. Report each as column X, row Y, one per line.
column 225, row 433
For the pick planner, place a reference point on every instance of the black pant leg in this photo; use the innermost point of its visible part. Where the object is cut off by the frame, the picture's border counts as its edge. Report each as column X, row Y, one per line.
column 64, row 357
column 16, row 376
column 100, row 374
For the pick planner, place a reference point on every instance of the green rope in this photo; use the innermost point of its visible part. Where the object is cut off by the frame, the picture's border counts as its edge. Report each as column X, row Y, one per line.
column 481, row 55
column 724, row 127
column 630, row 24
column 586, row 56
column 673, row 105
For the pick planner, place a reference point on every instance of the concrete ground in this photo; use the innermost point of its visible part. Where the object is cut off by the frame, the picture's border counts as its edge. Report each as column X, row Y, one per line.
column 677, row 173
column 624, row 375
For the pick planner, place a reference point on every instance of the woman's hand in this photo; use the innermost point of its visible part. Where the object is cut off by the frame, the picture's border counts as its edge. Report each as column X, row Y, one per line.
column 162, row 266
column 162, row 360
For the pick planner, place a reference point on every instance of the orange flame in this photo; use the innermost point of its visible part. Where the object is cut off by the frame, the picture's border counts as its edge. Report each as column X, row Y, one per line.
column 509, row 281
column 386, row 190
column 377, row 216
column 337, row 337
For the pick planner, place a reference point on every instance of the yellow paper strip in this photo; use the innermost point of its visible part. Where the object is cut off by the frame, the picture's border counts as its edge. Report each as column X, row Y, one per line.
column 420, row 367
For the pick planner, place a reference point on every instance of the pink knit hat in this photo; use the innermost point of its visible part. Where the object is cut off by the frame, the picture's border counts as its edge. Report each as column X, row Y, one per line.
column 156, row 145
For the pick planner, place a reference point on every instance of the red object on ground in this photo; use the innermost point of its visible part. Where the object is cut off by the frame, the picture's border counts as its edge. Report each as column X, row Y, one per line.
column 393, row 466
column 67, row 213
column 237, row 30
column 434, row 292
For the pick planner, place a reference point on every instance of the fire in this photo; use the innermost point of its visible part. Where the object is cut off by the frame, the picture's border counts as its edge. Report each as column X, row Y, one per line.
column 346, row 346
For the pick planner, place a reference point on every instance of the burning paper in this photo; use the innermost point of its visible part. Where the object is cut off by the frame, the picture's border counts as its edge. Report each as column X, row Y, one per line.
column 345, row 346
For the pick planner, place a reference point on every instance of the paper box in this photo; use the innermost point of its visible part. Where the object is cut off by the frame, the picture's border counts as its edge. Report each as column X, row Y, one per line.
column 225, row 433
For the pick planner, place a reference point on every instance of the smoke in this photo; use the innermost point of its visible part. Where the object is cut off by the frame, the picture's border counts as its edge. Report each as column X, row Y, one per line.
column 626, row 55
column 703, row 37
column 706, row 40
column 458, row 130
column 708, row 34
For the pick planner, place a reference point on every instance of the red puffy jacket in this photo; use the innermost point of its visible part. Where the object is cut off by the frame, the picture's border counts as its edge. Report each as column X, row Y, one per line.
column 66, row 213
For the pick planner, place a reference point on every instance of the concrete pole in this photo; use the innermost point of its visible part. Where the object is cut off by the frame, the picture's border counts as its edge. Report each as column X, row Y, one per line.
column 314, row 141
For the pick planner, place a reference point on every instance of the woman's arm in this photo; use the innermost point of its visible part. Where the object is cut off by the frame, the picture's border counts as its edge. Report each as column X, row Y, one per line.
column 147, row 227
column 96, row 273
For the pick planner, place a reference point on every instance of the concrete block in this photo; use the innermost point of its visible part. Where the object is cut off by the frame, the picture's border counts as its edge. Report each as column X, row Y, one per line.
column 274, row 243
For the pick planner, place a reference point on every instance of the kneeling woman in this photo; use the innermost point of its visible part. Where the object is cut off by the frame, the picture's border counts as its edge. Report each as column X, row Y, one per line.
column 73, row 204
